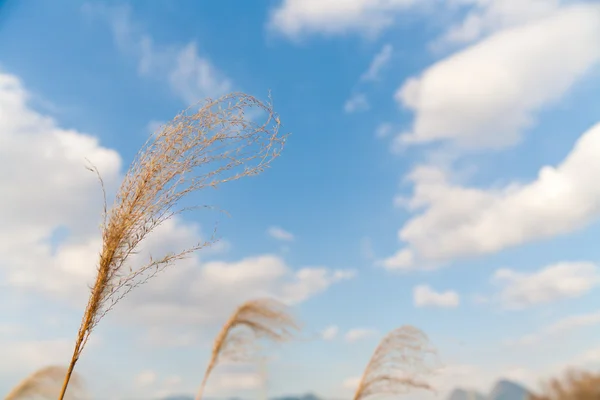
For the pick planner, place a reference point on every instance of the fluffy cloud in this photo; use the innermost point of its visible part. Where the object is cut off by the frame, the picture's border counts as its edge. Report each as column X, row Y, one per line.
column 30, row 355
column 280, row 234
column 296, row 18
column 463, row 221
column 226, row 381
column 425, row 296
column 181, row 296
column 356, row 334
column 488, row 94
column 191, row 76
column 552, row 283
column 46, row 191
column 379, row 62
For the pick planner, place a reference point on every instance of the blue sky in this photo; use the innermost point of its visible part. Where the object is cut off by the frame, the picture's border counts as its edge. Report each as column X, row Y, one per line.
column 441, row 171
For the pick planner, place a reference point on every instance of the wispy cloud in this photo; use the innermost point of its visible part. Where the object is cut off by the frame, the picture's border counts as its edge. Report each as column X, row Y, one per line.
column 487, row 17
column 379, row 62
column 356, row 334
column 356, row 103
column 191, row 76
column 557, row 328
column 384, row 130
column 555, row 282
column 330, row 332
column 280, row 234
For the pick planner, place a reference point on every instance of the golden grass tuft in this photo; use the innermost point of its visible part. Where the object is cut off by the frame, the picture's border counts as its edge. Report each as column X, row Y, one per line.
column 262, row 318
column 399, row 363
column 574, row 385
column 201, row 148
column 46, row 383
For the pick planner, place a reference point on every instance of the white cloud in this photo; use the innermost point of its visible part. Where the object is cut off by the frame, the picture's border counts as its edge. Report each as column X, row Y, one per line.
column 488, row 16
column 191, row 76
column 298, row 18
column 280, row 234
column 456, row 375
column 194, row 77
column 169, row 336
column 383, row 130
column 8, row 330
column 145, row 378
column 550, row 284
column 171, row 386
column 379, row 62
column 224, row 382
column 559, row 327
column 588, row 358
column 463, row 221
column 233, row 381
column 330, row 332
column 24, row 356
column 65, row 195
column 356, row 334
column 425, row 296
column 574, row 322
column 173, row 380
column 403, row 259
column 196, row 294
column 488, row 94
column 356, row 103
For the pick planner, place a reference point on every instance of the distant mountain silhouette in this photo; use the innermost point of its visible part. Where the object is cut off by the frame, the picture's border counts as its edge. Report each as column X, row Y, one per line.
column 502, row 390
column 507, row 390
column 462, row 394
column 308, row 396
column 178, row 398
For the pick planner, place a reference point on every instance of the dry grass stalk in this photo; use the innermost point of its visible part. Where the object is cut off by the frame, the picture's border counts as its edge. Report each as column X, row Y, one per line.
column 262, row 318
column 397, row 365
column 575, row 385
column 198, row 149
column 46, row 383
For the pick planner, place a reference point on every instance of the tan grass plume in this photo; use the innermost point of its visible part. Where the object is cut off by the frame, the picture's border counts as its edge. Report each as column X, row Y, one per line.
column 202, row 147
column 400, row 363
column 574, row 385
column 262, row 318
column 46, row 383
